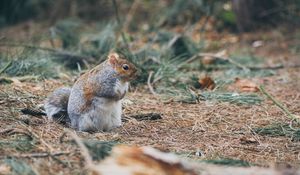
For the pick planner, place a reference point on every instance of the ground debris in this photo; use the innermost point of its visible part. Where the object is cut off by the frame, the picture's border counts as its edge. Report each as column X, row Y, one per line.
column 279, row 129
column 236, row 98
column 244, row 85
column 207, row 83
column 148, row 116
column 19, row 167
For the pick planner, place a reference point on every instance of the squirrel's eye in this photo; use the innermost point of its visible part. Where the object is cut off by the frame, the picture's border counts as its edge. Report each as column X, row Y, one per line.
column 125, row 67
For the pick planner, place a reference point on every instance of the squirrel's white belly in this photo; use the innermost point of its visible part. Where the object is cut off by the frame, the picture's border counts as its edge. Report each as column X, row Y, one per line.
column 105, row 116
column 107, row 112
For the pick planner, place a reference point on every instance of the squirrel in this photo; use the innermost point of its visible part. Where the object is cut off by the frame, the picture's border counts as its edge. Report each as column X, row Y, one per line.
column 94, row 101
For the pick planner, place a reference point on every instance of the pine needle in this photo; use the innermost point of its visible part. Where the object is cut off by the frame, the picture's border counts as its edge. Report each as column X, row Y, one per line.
column 278, row 104
column 6, row 67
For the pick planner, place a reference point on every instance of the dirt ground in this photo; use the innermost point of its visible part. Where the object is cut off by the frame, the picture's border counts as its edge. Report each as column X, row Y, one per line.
column 216, row 129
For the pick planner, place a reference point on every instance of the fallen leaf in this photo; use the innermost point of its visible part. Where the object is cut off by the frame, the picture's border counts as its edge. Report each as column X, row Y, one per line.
column 245, row 85
column 17, row 82
column 213, row 58
column 52, row 43
column 207, row 83
column 248, row 140
column 4, row 80
column 5, row 169
column 206, row 60
column 143, row 160
column 258, row 43
column 222, row 54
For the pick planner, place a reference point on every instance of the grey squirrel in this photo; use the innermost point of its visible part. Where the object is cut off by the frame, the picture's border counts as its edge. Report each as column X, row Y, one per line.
column 94, row 101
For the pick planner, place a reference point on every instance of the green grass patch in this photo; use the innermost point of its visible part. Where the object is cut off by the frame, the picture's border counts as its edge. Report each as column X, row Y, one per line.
column 99, row 149
column 278, row 130
column 22, row 143
column 19, row 167
column 236, row 98
column 228, row 162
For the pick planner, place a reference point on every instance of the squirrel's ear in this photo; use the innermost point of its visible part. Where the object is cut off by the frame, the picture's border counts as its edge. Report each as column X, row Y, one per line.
column 113, row 58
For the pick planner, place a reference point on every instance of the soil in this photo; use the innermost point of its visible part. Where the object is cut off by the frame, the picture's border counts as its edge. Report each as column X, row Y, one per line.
column 216, row 129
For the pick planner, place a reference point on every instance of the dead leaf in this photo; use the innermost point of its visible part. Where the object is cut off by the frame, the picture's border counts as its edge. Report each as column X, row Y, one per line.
column 248, row 140
column 206, row 60
column 17, row 82
column 213, row 58
column 257, row 44
column 5, row 80
column 222, row 54
column 142, row 160
column 52, row 43
column 5, row 169
column 207, row 83
column 245, row 85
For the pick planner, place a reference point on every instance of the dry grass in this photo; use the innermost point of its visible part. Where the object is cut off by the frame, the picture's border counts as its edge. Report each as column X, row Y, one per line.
column 216, row 129
column 219, row 130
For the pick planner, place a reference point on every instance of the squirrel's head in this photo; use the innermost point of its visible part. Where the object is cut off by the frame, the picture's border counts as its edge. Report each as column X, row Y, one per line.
column 125, row 70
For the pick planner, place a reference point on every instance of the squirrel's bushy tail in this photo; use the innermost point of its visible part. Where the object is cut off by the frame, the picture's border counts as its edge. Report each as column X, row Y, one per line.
column 56, row 104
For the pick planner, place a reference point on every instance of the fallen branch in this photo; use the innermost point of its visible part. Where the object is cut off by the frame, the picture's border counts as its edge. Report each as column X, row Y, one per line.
column 33, row 112
column 11, row 131
column 36, row 155
column 149, row 116
column 149, row 83
column 130, row 14
column 56, row 52
column 141, row 117
column 274, row 67
column 215, row 56
column 278, row 104
column 84, row 151
column 29, row 46
column 6, row 67
column 120, row 23
column 246, row 68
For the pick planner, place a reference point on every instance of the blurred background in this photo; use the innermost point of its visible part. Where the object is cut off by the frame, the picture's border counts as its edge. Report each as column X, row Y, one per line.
column 234, row 15
column 44, row 38
column 205, row 61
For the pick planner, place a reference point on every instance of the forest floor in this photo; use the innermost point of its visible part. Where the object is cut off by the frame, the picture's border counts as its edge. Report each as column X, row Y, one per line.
column 216, row 130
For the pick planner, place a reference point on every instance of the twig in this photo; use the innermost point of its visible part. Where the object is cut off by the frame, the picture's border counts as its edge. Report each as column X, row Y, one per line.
column 275, row 67
column 6, row 67
column 29, row 46
column 33, row 112
column 215, row 56
column 37, row 155
column 202, row 29
column 278, row 104
column 247, row 68
column 11, row 131
column 141, row 117
column 237, row 64
column 84, row 151
column 130, row 14
column 120, row 23
column 55, row 51
column 172, row 41
column 41, row 140
column 149, row 116
column 149, row 83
